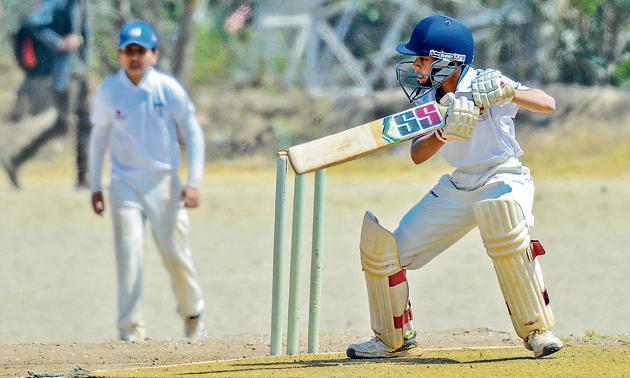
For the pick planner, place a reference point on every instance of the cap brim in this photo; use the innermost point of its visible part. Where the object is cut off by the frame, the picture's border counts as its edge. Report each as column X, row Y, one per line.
column 136, row 42
column 402, row 49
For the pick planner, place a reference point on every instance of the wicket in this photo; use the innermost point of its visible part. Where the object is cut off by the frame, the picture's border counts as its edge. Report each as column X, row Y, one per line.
column 297, row 231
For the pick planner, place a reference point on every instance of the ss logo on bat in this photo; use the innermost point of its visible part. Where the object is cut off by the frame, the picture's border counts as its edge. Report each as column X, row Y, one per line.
column 407, row 124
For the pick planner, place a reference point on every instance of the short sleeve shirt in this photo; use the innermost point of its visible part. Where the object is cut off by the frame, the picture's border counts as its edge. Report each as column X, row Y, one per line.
column 493, row 140
column 143, row 121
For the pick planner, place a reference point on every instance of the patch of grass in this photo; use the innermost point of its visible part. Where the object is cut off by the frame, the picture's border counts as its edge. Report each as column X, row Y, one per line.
column 578, row 152
column 591, row 333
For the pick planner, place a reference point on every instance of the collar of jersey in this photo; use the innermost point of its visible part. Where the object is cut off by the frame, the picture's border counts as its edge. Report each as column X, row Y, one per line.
column 465, row 80
column 141, row 83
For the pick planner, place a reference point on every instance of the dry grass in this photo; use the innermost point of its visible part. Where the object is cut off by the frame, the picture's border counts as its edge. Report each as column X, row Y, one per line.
column 555, row 153
column 580, row 151
column 444, row 363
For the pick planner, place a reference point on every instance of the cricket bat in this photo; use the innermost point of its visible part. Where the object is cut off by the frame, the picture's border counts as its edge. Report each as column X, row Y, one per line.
column 370, row 137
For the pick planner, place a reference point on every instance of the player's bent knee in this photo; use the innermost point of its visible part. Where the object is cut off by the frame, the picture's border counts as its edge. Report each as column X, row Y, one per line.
column 506, row 237
column 502, row 225
column 388, row 291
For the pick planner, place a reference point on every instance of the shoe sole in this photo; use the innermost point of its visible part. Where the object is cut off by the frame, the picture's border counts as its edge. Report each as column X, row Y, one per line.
column 548, row 350
column 414, row 351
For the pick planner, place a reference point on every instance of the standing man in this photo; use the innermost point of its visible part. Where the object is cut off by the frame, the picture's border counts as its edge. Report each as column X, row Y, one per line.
column 136, row 114
column 489, row 189
column 62, row 26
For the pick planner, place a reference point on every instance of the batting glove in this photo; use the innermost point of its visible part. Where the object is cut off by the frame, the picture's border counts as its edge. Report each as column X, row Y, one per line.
column 461, row 119
column 488, row 89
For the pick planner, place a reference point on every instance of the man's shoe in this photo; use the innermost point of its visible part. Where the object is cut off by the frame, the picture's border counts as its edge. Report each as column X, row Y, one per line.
column 11, row 172
column 82, row 185
column 542, row 343
column 194, row 328
column 375, row 348
column 134, row 336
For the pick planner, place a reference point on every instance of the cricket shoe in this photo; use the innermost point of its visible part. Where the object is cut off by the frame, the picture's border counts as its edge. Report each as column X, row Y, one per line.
column 135, row 336
column 542, row 343
column 194, row 328
column 375, row 348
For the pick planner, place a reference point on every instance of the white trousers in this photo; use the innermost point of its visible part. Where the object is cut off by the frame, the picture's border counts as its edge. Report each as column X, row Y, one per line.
column 154, row 197
column 445, row 215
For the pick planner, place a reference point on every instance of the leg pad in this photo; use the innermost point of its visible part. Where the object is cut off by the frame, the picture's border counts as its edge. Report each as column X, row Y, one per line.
column 506, row 237
column 388, row 291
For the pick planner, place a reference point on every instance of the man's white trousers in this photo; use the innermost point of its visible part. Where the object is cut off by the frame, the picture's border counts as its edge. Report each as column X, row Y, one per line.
column 154, row 197
column 445, row 214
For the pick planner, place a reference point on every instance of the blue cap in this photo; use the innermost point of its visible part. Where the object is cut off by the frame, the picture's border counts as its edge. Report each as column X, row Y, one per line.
column 138, row 32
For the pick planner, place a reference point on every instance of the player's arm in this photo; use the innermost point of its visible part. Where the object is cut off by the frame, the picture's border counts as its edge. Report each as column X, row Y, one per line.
column 99, row 142
column 491, row 88
column 195, row 146
column 184, row 114
column 535, row 100
column 461, row 118
column 424, row 147
column 40, row 22
column 99, row 138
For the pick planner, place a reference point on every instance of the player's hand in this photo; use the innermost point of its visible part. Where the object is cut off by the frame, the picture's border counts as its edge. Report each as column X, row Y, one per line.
column 71, row 42
column 191, row 197
column 98, row 203
column 488, row 89
column 461, row 119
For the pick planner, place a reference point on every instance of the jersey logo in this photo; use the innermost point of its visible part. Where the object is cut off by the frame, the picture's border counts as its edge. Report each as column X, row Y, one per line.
column 410, row 123
column 159, row 108
column 119, row 115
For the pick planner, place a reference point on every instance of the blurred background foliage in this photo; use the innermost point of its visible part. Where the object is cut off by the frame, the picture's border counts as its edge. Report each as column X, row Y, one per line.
column 269, row 73
column 537, row 41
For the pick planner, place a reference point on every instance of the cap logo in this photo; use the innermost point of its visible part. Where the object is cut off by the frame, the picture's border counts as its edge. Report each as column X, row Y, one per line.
column 447, row 56
column 135, row 32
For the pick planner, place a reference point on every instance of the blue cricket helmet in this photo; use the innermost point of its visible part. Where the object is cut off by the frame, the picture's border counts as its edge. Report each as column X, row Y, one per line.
column 440, row 34
column 444, row 38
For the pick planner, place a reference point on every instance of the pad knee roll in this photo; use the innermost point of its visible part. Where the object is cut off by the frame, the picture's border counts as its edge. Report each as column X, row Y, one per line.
column 388, row 291
column 506, row 237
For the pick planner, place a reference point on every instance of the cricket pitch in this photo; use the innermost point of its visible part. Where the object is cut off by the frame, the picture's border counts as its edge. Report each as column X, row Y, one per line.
column 571, row 361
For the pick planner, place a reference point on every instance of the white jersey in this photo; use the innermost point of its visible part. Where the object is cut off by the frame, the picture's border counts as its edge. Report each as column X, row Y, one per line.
column 487, row 167
column 138, row 123
column 493, row 140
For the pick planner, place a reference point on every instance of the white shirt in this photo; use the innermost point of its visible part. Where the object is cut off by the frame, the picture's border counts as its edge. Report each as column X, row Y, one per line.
column 493, row 140
column 138, row 123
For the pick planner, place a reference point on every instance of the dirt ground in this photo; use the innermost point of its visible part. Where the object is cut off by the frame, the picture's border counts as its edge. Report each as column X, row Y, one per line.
column 444, row 363
column 58, row 279
column 20, row 359
column 54, row 359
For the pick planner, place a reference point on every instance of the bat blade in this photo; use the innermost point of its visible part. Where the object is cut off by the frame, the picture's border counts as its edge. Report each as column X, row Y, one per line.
column 367, row 138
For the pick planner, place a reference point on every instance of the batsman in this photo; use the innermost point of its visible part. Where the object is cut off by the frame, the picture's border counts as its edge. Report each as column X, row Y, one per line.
column 489, row 189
